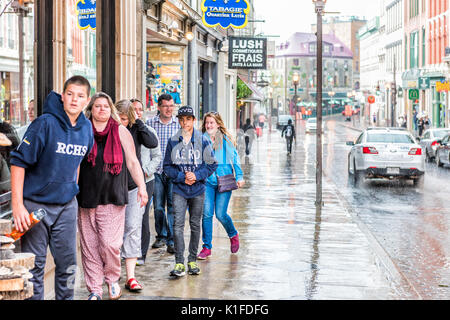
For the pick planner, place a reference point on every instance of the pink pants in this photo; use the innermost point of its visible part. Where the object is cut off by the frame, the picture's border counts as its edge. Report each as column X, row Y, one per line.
column 101, row 237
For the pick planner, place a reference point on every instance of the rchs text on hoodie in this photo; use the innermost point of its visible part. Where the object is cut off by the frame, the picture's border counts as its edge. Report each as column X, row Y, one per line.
column 51, row 151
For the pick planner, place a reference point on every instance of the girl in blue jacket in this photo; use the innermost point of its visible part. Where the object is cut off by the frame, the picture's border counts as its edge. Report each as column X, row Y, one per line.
column 227, row 156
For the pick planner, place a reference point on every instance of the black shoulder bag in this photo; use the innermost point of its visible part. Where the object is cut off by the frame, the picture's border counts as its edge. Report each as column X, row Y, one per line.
column 227, row 182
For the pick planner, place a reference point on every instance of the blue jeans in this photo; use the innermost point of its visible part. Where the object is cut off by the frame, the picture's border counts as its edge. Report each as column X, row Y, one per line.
column 162, row 196
column 216, row 202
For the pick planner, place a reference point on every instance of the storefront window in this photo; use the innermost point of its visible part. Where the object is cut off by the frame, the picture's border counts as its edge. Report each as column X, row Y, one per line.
column 164, row 74
column 16, row 98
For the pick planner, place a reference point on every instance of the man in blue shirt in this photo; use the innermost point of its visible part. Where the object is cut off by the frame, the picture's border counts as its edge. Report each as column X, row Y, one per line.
column 166, row 125
column 189, row 160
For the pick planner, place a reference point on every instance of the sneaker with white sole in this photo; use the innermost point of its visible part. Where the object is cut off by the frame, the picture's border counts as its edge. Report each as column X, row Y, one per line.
column 193, row 268
column 179, row 270
column 205, row 253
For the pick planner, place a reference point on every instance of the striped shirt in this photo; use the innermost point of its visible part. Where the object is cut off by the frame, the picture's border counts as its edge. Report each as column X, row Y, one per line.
column 165, row 132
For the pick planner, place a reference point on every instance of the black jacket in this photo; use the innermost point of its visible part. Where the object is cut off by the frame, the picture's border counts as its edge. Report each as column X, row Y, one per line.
column 141, row 136
column 285, row 130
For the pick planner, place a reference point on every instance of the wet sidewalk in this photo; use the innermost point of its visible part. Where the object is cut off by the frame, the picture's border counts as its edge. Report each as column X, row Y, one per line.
column 287, row 251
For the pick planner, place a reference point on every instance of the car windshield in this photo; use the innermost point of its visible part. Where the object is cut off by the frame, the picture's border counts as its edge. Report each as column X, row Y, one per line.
column 389, row 138
column 312, row 120
column 285, row 118
column 440, row 133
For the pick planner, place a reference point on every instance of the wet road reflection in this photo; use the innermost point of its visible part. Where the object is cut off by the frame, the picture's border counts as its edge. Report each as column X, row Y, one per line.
column 411, row 224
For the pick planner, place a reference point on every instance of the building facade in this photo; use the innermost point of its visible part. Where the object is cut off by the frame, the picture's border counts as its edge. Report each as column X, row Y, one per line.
column 346, row 28
column 394, row 60
column 373, row 70
column 298, row 55
column 436, row 36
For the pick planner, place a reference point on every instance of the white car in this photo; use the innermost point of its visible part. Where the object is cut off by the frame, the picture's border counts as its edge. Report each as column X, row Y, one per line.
column 311, row 125
column 390, row 153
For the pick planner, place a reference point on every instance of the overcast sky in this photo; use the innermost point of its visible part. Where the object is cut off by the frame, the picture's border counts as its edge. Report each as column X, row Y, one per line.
column 284, row 17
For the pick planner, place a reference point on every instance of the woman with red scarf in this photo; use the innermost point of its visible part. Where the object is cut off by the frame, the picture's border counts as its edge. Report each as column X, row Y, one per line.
column 103, row 197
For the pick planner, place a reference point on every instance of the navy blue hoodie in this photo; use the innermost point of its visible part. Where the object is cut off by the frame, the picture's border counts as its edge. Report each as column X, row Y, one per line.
column 197, row 157
column 51, row 152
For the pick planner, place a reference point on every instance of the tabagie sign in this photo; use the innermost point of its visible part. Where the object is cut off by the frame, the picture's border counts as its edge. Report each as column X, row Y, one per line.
column 87, row 14
column 225, row 13
column 247, row 53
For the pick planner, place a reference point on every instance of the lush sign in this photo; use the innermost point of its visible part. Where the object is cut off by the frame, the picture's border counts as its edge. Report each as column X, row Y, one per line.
column 247, row 53
column 86, row 14
column 225, row 13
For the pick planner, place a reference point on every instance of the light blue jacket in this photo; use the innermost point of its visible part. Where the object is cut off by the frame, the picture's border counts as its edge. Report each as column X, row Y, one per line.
column 224, row 168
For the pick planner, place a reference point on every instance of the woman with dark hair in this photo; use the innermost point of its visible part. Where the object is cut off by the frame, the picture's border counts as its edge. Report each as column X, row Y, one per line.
column 131, row 249
column 103, row 196
column 227, row 156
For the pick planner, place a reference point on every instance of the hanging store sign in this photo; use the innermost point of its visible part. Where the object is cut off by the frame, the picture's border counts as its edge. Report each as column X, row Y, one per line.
column 225, row 13
column 442, row 86
column 424, row 83
column 86, row 14
column 247, row 53
column 413, row 94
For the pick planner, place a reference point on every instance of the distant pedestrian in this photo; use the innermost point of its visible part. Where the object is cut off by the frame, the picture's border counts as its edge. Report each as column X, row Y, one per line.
column 30, row 111
column 166, row 125
column 421, row 125
column 131, row 248
column 426, row 123
column 289, row 133
column 44, row 176
column 415, row 120
column 249, row 136
column 188, row 161
column 103, row 196
column 151, row 158
column 262, row 120
column 216, row 201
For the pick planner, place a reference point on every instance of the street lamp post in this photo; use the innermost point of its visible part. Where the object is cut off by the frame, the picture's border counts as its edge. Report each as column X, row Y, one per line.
column 271, row 107
column 319, row 7
column 295, row 80
column 331, row 94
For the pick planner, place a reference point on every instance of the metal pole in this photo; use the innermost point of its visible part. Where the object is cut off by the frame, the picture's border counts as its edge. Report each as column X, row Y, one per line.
column 295, row 98
column 393, row 97
column 21, row 67
column 319, row 202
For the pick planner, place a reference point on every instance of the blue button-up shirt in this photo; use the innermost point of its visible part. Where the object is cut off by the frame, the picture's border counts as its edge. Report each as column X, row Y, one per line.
column 165, row 132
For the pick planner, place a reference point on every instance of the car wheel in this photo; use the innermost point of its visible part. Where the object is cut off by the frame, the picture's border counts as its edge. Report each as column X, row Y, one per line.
column 438, row 161
column 419, row 182
column 427, row 156
column 357, row 176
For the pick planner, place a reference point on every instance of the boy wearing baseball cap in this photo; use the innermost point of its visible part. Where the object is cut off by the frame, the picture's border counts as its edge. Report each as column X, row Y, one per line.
column 188, row 161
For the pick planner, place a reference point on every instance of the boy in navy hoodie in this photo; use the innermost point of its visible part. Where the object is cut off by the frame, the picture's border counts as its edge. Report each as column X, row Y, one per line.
column 188, row 161
column 44, row 174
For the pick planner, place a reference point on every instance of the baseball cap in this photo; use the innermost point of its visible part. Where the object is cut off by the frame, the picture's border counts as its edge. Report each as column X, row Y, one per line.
column 186, row 111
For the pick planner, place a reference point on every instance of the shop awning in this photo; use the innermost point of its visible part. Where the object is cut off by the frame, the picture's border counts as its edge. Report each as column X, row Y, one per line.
column 9, row 65
column 256, row 96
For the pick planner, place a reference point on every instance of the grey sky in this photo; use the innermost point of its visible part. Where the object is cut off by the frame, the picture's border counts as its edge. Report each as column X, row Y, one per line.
column 284, row 17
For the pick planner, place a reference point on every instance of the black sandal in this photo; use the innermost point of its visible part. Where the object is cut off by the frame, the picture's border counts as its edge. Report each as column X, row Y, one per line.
column 94, row 295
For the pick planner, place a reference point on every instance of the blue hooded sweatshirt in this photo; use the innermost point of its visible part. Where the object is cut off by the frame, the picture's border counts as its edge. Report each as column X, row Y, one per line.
column 51, row 152
column 197, row 156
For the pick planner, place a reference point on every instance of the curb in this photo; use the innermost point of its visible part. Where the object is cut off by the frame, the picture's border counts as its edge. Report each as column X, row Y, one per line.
column 387, row 261
column 350, row 127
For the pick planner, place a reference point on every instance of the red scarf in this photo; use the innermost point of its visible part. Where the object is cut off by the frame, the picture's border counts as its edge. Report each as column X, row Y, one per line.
column 112, row 155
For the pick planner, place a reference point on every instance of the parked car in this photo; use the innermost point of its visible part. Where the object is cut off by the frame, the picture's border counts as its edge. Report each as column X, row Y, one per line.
column 429, row 141
column 443, row 151
column 386, row 153
column 355, row 111
column 311, row 125
column 283, row 120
